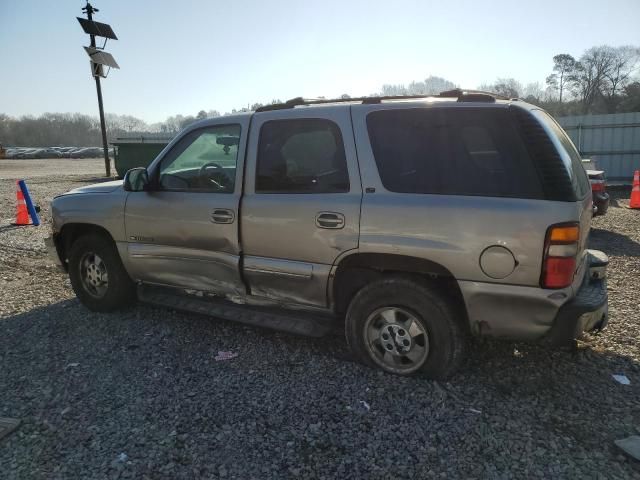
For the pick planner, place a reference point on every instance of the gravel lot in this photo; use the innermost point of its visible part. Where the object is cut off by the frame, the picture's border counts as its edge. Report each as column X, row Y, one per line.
column 32, row 168
column 140, row 394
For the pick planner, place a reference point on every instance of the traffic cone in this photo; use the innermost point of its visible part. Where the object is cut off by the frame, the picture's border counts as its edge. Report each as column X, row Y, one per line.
column 634, row 201
column 22, row 215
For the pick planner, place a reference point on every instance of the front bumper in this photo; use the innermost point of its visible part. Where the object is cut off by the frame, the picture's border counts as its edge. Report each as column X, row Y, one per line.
column 588, row 310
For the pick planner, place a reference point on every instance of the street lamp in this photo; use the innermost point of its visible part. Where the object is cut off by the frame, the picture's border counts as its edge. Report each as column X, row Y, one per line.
column 99, row 60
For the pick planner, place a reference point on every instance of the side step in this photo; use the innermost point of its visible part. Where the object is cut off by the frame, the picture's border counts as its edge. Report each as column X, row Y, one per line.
column 299, row 323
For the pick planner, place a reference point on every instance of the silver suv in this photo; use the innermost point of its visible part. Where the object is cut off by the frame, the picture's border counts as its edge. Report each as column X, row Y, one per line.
column 415, row 222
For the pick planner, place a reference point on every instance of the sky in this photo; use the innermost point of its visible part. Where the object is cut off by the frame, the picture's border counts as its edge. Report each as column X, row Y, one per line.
column 183, row 56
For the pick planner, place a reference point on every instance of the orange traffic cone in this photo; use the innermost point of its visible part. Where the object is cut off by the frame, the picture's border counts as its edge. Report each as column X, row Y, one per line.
column 22, row 215
column 634, row 201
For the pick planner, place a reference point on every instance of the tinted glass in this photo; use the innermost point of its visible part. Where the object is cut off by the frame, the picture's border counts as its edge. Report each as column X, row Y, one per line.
column 203, row 160
column 568, row 152
column 453, row 151
column 301, row 156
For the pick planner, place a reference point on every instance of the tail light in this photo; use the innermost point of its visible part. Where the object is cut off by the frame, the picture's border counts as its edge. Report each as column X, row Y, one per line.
column 598, row 182
column 560, row 252
column 598, row 186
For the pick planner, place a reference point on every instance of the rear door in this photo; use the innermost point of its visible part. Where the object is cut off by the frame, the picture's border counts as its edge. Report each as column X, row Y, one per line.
column 301, row 206
column 184, row 233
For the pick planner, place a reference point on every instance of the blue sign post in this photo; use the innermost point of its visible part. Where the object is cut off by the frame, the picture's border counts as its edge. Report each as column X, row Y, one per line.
column 27, row 199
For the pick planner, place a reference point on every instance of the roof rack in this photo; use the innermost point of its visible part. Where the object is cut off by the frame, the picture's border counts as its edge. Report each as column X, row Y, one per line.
column 457, row 93
column 472, row 95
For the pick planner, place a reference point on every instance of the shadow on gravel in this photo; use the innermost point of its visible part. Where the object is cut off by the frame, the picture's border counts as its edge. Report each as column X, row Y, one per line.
column 613, row 243
column 6, row 228
column 65, row 326
column 613, row 202
column 145, row 382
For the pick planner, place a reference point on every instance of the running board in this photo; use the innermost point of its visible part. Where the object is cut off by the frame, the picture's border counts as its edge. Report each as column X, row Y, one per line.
column 299, row 323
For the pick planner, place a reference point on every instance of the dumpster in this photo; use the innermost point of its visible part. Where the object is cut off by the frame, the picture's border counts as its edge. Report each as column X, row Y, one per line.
column 131, row 152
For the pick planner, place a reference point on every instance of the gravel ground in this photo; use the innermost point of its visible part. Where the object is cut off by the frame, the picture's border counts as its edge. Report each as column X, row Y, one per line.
column 11, row 169
column 140, row 394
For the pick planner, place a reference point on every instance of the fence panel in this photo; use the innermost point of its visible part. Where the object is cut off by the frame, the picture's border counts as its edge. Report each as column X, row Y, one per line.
column 613, row 141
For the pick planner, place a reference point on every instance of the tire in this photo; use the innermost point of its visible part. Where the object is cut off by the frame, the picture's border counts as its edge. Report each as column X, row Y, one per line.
column 105, row 286
column 390, row 314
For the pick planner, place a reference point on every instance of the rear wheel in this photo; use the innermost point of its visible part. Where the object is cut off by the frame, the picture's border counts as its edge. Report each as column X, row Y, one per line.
column 403, row 326
column 97, row 275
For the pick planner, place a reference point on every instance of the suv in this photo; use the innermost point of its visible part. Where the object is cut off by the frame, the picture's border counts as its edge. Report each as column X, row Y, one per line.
column 416, row 222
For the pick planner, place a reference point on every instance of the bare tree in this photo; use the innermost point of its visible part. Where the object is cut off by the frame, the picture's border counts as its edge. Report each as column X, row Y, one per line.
column 133, row 124
column 618, row 75
column 172, row 124
column 533, row 92
column 434, row 85
column 431, row 85
column 589, row 75
column 631, row 98
column 505, row 87
column 186, row 121
column 389, row 90
column 552, row 84
column 563, row 66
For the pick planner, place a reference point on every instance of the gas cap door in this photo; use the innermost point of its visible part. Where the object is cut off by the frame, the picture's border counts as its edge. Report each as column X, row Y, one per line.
column 497, row 262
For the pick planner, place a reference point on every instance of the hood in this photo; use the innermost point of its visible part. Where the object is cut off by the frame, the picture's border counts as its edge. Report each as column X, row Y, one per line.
column 105, row 187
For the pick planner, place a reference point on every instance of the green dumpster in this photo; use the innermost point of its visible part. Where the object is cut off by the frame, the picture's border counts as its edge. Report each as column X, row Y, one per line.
column 131, row 152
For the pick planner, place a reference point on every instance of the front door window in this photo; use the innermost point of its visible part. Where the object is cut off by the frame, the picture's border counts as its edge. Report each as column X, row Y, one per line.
column 204, row 160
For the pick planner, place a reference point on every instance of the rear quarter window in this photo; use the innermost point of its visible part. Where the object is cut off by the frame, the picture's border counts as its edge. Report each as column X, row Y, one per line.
column 452, row 151
column 568, row 153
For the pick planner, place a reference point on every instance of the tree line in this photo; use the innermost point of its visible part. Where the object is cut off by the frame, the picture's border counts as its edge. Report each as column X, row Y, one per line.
column 601, row 80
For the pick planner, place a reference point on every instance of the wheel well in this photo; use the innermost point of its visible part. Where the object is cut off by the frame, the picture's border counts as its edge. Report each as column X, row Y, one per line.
column 357, row 270
column 71, row 232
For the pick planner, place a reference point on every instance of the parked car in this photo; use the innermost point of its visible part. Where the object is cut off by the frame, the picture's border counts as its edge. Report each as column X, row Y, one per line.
column 599, row 191
column 416, row 222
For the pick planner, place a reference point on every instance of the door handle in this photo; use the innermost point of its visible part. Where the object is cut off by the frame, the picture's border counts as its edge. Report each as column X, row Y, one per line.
column 330, row 220
column 222, row 215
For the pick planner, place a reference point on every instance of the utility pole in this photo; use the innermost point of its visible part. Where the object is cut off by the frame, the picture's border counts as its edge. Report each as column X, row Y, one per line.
column 99, row 58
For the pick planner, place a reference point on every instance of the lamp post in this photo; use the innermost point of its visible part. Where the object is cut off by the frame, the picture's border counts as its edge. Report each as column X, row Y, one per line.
column 99, row 59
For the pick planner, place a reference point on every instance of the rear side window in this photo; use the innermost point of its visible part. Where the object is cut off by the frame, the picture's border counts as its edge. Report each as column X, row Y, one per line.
column 568, row 153
column 301, row 156
column 453, row 151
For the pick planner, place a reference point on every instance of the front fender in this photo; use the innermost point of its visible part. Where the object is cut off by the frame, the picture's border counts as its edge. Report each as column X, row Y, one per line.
column 105, row 210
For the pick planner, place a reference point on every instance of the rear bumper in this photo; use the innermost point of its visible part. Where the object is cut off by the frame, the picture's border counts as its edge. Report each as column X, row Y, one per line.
column 534, row 314
column 601, row 203
column 588, row 310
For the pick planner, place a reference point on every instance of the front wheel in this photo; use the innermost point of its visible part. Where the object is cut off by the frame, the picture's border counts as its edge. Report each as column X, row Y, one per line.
column 403, row 326
column 97, row 275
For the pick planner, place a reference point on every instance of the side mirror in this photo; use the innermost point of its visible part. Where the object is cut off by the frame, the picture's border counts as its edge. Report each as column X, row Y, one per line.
column 136, row 180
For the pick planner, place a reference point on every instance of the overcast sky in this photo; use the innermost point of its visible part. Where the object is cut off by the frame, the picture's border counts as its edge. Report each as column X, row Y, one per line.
column 185, row 56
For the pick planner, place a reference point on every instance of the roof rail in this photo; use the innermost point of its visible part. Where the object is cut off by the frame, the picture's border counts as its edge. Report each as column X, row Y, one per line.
column 472, row 95
column 459, row 94
column 299, row 101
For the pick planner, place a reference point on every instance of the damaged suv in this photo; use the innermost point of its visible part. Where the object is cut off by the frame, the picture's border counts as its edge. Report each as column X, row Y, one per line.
column 415, row 222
